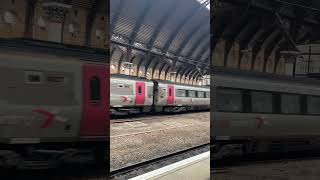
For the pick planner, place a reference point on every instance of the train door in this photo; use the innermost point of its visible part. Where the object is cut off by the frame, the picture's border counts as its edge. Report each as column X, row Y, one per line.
column 140, row 93
column 95, row 100
column 155, row 92
column 170, row 96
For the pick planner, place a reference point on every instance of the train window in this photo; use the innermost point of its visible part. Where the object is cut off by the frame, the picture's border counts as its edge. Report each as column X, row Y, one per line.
column 139, row 90
column 33, row 77
column 290, row 104
column 201, row 94
column 228, row 100
column 192, row 94
column 313, row 105
column 261, row 102
column 95, row 94
column 181, row 93
column 170, row 92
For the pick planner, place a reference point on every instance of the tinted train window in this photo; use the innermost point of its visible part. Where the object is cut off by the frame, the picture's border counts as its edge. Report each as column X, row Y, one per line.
column 228, row 100
column 290, row 104
column 95, row 94
column 261, row 102
column 33, row 77
column 181, row 93
column 201, row 94
column 139, row 90
column 313, row 105
column 192, row 94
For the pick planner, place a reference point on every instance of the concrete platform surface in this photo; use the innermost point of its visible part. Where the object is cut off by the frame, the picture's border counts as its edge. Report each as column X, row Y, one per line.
column 194, row 168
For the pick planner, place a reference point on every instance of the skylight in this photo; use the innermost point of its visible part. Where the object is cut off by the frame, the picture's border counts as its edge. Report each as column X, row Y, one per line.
column 205, row 2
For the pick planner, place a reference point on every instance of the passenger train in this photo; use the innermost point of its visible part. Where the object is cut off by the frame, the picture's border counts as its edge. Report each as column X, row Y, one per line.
column 258, row 112
column 132, row 95
column 53, row 104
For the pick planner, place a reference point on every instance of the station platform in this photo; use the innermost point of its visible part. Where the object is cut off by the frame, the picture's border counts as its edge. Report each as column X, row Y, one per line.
column 194, row 168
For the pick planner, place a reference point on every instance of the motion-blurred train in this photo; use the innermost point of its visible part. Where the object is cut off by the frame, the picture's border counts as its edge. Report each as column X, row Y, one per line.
column 53, row 104
column 130, row 95
column 258, row 112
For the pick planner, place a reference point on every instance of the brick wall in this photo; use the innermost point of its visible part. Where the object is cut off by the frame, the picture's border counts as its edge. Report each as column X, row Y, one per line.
column 71, row 29
column 12, row 18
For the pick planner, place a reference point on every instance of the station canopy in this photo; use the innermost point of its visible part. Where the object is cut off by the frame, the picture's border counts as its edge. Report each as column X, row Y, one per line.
column 175, row 29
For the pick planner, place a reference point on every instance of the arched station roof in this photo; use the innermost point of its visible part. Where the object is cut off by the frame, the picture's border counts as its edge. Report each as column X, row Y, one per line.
column 177, row 31
column 252, row 34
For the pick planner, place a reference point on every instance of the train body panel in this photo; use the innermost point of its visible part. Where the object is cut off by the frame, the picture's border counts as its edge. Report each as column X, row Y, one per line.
column 133, row 95
column 51, row 102
column 239, row 125
column 124, row 92
column 192, row 96
column 27, row 100
column 157, row 95
column 260, row 110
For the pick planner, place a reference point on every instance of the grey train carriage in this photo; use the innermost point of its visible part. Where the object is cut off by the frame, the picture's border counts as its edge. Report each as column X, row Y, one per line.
column 134, row 95
column 53, row 104
column 258, row 112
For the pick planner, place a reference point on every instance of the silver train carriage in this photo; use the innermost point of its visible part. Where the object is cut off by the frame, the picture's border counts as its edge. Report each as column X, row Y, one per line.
column 136, row 95
column 258, row 112
column 52, row 108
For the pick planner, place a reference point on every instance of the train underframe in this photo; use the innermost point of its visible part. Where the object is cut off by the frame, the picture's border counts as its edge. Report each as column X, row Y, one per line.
column 53, row 154
column 152, row 109
column 250, row 146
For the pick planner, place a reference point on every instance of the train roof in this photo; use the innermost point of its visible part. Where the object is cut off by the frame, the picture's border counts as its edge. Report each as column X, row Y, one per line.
column 181, row 84
column 157, row 80
column 246, row 74
column 124, row 76
column 31, row 45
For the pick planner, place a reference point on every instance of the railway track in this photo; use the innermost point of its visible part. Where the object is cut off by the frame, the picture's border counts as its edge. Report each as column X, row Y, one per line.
column 152, row 164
